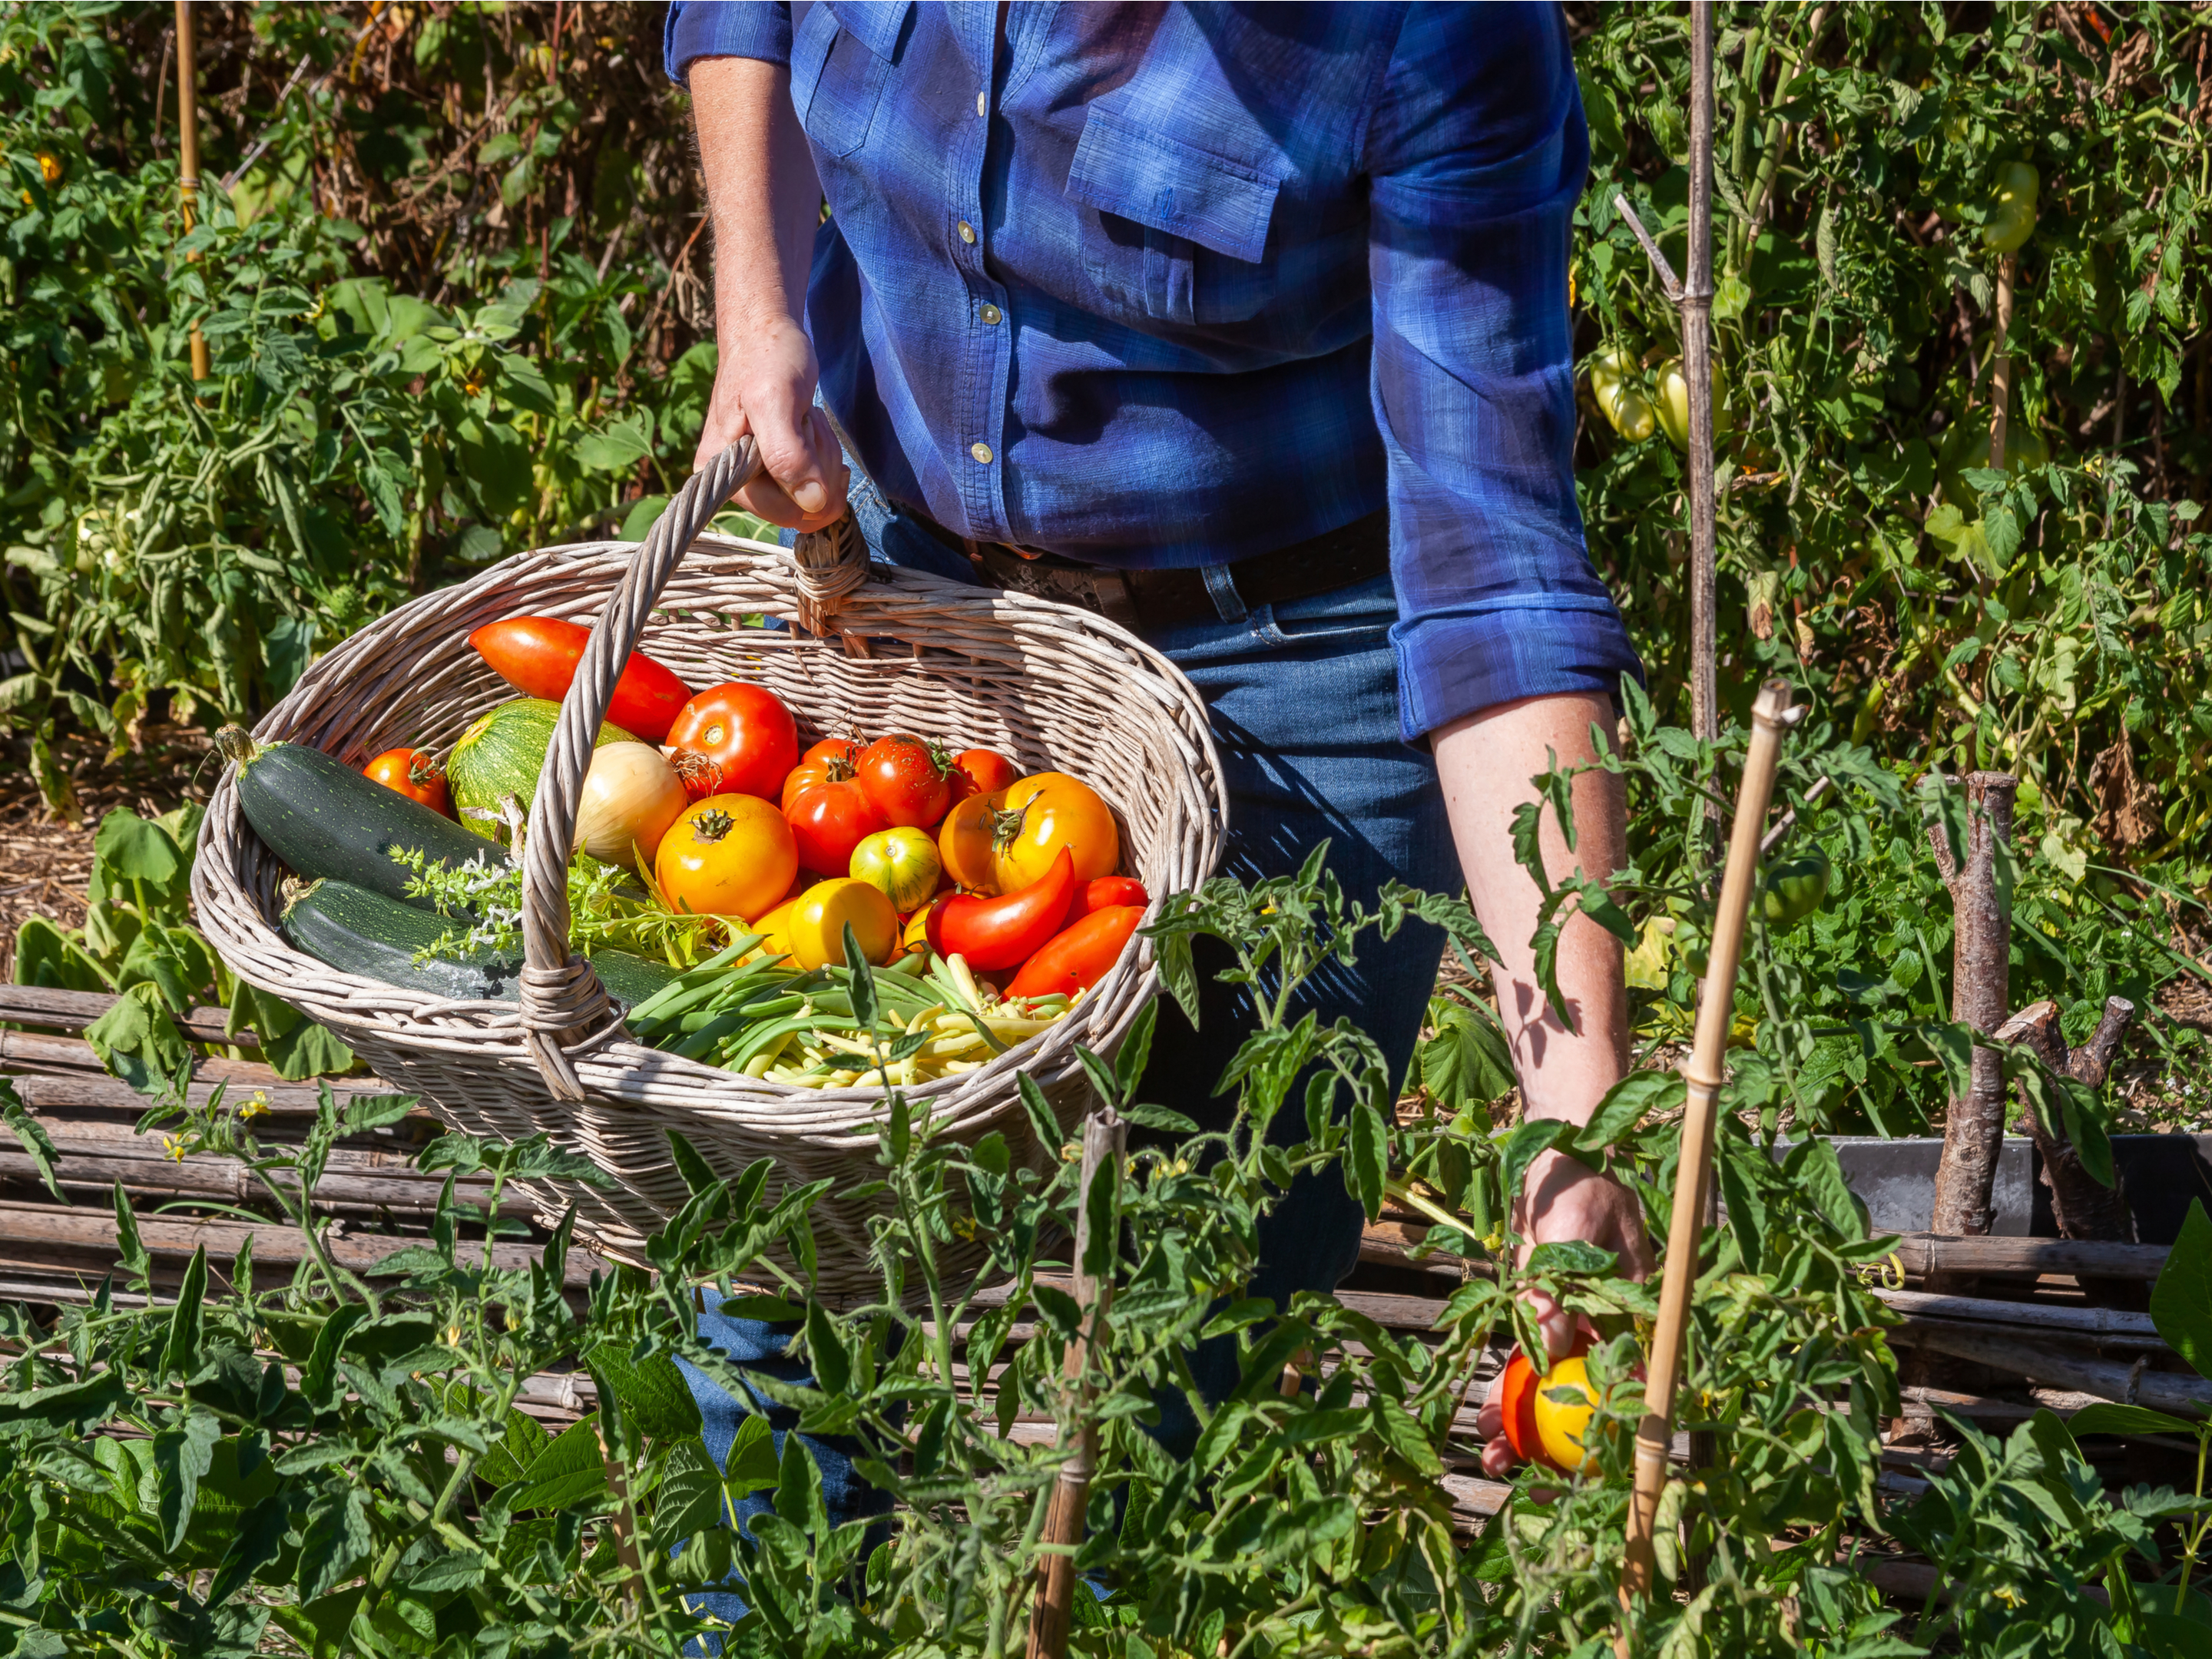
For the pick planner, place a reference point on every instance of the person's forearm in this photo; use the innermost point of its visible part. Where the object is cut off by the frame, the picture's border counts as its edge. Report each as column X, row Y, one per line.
column 759, row 178
column 1484, row 761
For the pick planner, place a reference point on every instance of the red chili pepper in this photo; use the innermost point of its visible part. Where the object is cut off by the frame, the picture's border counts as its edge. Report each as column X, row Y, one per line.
column 538, row 656
column 1080, row 957
column 1107, row 893
column 993, row 933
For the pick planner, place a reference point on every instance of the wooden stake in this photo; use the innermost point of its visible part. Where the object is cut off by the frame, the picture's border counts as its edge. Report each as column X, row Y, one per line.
column 1973, row 1127
column 1105, row 1133
column 2000, row 366
column 1770, row 715
column 188, row 148
column 1697, row 369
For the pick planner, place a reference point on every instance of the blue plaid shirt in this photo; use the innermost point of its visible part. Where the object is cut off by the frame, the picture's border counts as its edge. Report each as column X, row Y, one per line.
column 1175, row 285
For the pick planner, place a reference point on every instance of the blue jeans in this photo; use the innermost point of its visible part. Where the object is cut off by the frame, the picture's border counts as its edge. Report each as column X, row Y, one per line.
column 1303, row 701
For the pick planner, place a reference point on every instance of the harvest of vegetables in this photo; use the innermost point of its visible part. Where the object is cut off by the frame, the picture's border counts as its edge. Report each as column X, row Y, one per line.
column 726, row 883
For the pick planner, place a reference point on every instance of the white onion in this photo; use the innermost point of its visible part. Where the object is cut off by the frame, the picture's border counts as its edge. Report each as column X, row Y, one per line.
column 630, row 797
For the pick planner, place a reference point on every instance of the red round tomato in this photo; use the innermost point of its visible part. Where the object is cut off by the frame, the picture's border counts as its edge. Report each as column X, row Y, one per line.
column 745, row 731
column 414, row 773
column 981, row 772
column 908, row 781
column 1106, row 893
column 828, row 822
column 538, row 656
column 830, row 761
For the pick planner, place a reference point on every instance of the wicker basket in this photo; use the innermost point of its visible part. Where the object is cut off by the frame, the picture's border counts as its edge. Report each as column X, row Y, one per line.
column 869, row 647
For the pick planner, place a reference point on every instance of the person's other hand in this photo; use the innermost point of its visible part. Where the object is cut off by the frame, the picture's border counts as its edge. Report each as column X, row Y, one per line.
column 1562, row 1200
column 765, row 386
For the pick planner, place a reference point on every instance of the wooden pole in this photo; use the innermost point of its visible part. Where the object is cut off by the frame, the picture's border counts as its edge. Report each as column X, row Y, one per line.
column 1770, row 716
column 2000, row 366
column 1697, row 369
column 1105, row 1133
column 188, row 148
column 1981, row 995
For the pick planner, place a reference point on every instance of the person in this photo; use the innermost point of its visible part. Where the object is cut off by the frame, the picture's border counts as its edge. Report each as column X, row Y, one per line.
column 1247, row 326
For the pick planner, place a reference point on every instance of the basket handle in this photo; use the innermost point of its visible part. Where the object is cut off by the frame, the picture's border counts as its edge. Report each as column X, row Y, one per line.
column 563, row 1000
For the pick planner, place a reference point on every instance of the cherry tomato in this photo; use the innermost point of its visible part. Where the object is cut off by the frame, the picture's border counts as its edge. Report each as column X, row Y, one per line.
column 1078, row 958
column 1041, row 815
column 745, row 731
column 981, row 772
column 993, row 933
column 907, row 782
column 728, row 855
column 828, row 822
column 818, row 918
column 964, row 844
column 538, row 656
column 1107, row 893
column 830, row 761
column 414, row 773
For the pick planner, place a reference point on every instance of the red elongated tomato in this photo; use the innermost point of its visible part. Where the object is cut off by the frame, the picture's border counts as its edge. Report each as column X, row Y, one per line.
column 414, row 773
column 1005, row 931
column 538, row 656
column 1078, row 958
column 828, row 822
column 745, row 730
column 1107, row 893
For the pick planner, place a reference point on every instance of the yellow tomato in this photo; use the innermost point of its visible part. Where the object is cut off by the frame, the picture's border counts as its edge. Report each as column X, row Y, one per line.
column 728, row 855
column 916, row 936
column 1561, row 1423
column 776, row 930
column 818, row 917
column 963, row 843
column 1043, row 813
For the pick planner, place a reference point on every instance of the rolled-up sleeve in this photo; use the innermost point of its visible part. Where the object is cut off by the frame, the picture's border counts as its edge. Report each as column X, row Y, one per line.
column 723, row 28
column 1475, row 154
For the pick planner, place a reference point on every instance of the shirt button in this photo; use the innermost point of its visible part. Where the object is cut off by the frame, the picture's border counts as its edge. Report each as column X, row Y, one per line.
column 968, row 233
column 981, row 453
column 979, row 109
column 991, row 313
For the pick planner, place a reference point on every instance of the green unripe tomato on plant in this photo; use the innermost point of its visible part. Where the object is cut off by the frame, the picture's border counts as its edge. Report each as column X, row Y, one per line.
column 1794, row 888
column 2010, row 221
column 1616, row 384
column 1674, row 402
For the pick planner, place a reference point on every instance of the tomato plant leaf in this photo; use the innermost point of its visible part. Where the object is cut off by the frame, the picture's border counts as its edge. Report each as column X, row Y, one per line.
column 2181, row 1300
column 569, row 1472
column 1371, row 1157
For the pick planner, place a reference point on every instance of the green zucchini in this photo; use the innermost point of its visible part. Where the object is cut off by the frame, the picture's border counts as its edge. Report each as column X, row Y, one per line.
column 326, row 821
column 358, row 932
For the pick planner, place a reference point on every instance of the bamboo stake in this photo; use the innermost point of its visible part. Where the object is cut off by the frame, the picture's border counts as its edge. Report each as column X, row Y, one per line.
column 2000, row 366
column 1697, row 369
column 1770, row 715
column 188, row 145
column 1105, row 1133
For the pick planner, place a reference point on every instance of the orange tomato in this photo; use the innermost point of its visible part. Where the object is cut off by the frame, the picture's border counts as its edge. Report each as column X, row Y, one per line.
column 981, row 772
column 414, row 773
column 818, row 917
column 728, row 855
column 964, row 844
column 1040, row 815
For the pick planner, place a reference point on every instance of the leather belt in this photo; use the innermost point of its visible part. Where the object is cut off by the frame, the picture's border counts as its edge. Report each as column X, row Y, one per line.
column 1355, row 552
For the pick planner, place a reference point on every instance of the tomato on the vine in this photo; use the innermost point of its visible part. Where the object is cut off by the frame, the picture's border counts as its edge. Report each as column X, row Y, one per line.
column 414, row 773
column 831, row 761
column 1545, row 1422
column 728, row 855
column 828, row 822
column 1794, row 888
column 745, row 732
column 1615, row 380
column 1040, row 815
column 907, row 782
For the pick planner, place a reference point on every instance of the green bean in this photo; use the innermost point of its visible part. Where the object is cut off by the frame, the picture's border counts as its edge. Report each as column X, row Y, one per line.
column 753, row 1044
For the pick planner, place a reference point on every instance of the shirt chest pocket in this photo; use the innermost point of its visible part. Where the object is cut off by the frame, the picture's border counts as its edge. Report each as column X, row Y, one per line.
column 841, row 58
column 1168, row 231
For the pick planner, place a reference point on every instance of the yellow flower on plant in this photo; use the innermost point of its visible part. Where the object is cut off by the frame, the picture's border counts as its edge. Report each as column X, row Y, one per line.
column 172, row 1149
column 257, row 1107
column 50, row 167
